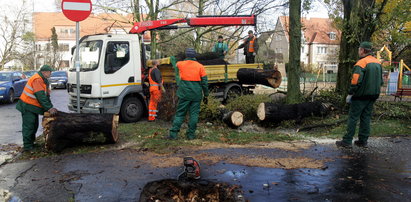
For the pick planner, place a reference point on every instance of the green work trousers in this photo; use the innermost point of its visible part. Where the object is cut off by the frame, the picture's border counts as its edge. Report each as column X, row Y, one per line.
column 193, row 107
column 359, row 109
column 30, row 126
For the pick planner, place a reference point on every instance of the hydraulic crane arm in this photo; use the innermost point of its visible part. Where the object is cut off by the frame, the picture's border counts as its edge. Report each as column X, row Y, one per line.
column 200, row 21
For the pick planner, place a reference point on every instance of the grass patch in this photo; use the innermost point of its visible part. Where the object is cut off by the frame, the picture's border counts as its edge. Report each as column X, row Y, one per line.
column 151, row 136
column 379, row 128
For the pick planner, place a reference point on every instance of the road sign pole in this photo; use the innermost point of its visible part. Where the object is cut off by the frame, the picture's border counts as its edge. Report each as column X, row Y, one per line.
column 77, row 10
column 77, row 64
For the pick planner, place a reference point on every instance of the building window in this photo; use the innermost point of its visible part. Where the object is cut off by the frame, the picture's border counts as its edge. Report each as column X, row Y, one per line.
column 302, row 49
column 64, row 47
column 321, row 50
column 279, row 50
column 333, row 36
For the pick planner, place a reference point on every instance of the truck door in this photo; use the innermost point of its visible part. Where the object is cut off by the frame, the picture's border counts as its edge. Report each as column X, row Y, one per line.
column 118, row 70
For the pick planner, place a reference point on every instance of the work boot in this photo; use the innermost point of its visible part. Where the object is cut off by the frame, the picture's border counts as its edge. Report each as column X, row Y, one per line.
column 359, row 143
column 343, row 144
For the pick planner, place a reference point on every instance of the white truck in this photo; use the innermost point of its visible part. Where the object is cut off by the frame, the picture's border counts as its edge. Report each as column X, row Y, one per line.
column 111, row 67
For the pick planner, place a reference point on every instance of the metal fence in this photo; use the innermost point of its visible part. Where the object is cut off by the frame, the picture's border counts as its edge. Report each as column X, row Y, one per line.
column 309, row 81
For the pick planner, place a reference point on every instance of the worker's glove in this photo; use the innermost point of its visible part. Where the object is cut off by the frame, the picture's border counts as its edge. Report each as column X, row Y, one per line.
column 254, row 54
column 348, row 99
column 53, row 111
column 163, row 89
column 205, row 100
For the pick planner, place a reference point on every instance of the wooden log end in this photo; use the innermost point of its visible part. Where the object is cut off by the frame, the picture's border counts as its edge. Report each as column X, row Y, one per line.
column 114, row 127
column 237, row 118
column 233, row 119
column 261, row 111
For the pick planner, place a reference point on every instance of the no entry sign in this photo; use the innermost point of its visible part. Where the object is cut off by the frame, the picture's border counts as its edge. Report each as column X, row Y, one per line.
column 76, row 10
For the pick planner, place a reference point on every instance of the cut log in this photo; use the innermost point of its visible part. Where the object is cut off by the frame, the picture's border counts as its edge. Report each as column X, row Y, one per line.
column 233, row 119
column 267, row 77
column 216, row 61
column 276, row 112
column 69, row 129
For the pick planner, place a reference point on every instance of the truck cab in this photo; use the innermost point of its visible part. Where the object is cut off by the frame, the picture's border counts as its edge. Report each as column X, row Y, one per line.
column 110, row 76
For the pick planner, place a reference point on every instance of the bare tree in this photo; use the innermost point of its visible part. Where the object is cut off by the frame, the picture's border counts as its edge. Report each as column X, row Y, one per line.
column 203, row 38
column 26, row 53
column 13, row 26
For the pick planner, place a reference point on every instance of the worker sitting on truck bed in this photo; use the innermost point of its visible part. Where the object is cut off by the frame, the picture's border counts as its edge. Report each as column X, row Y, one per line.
column 250, row 47
column 192, row 86
column 220, row 47
column 156, row 86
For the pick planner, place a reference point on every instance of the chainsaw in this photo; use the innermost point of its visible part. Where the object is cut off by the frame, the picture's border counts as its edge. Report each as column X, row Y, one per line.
column 191, row 169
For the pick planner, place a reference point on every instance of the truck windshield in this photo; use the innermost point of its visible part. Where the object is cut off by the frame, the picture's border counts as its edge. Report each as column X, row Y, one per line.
column 89, row 53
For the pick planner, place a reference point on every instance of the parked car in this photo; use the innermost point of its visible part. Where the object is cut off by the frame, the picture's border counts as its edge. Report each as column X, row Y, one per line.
column 11, row 85
column 29, row 73
column 58, row 79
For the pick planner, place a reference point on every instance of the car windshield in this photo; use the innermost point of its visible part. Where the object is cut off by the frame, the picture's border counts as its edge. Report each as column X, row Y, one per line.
column 5, row 76
column 89, row 55
column 58, row 74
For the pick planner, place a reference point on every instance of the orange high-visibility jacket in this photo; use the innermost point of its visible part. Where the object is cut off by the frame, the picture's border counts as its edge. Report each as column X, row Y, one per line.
column 28, row 93
column 153, row 85
column 251, row 45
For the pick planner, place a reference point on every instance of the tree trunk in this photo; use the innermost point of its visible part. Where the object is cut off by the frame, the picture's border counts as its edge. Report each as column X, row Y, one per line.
column 276, row 113
column 68, row 129
column 360, row 21
column 348, row 55
column 136, row 9
column 233, row 119
column 293, row 74
column 269, row 77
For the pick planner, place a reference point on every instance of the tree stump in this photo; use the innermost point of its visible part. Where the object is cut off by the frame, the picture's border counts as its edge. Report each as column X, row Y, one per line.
column 69, row 129
column 267, row 77
column 276, row 113
column 198, row 190
column 233, row 119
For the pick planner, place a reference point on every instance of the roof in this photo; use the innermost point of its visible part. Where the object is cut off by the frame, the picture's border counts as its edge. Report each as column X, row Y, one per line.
column 316, row 30
column 94, row 24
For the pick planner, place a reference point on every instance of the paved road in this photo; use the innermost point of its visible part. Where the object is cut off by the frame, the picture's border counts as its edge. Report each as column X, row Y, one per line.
column 380, row 173
column 10, row 121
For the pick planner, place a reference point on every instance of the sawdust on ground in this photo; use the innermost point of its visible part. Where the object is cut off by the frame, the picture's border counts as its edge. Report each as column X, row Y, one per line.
column 172, row 160
column 289, row 146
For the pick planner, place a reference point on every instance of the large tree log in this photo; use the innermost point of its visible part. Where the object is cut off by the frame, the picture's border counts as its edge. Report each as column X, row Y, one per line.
column 69, row 129
column 268, row 77
column 233, row 119
column 276, row 112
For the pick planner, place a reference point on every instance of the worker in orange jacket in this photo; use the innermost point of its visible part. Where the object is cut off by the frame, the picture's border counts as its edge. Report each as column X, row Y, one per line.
column 192, row 88
column 156, row 87
column 35, row 100
column 250, row 46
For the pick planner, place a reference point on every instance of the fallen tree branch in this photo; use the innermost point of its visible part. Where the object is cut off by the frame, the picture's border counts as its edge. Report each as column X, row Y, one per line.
column 321, row 125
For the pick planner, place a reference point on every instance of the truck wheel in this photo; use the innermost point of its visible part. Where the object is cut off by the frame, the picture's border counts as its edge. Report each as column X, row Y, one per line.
column 131, row 110
column 11, row 96
column 232, row 91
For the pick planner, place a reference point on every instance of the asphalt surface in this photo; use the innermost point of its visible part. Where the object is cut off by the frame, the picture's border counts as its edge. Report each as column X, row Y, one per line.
column 380, row 173
column 10, row 121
